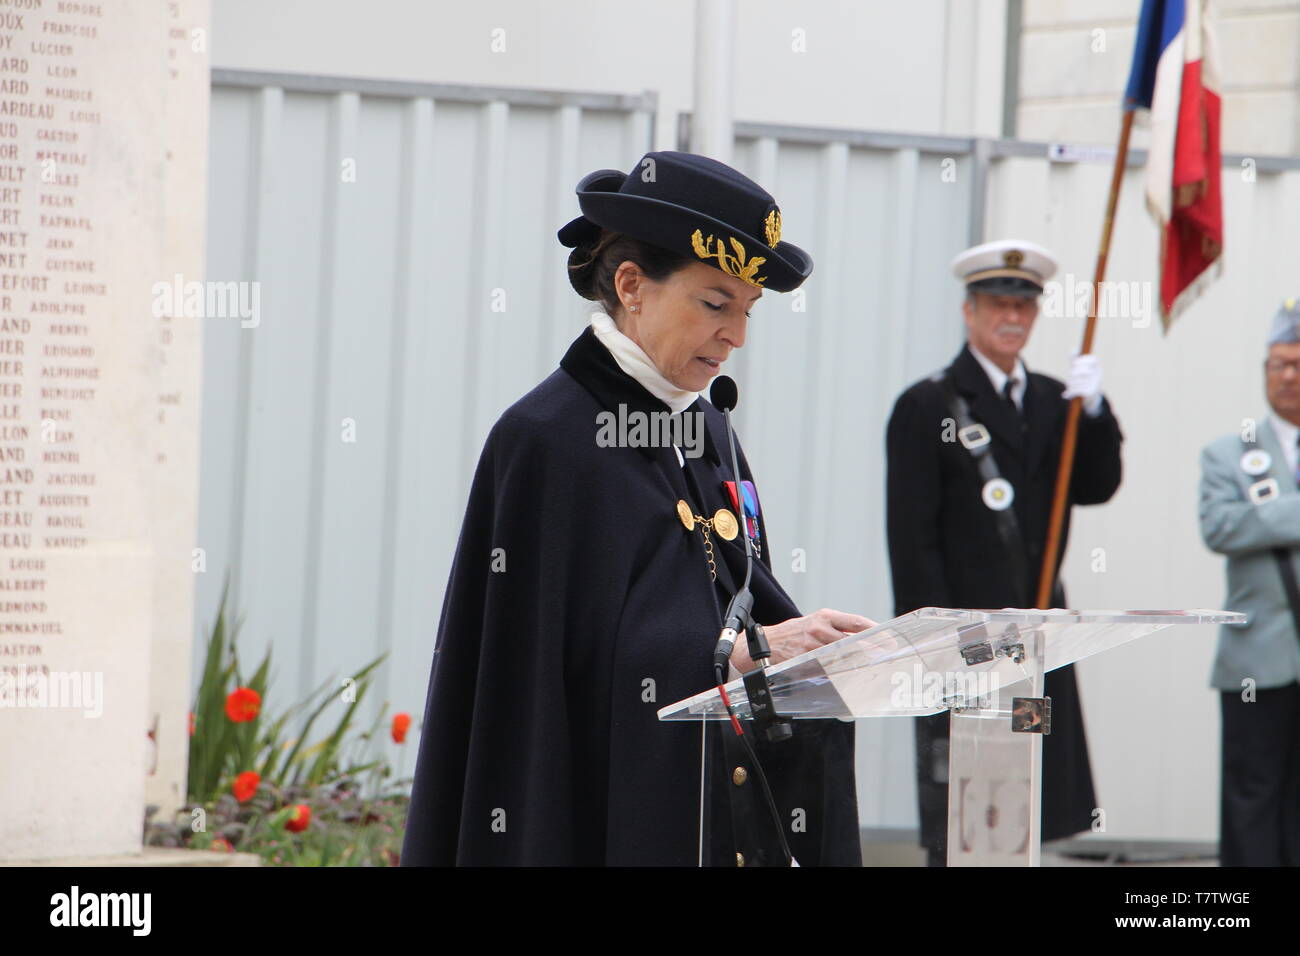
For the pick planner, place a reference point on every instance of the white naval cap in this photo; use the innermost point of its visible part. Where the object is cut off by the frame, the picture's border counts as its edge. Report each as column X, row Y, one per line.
column 1005, row 267
column 1286, row 324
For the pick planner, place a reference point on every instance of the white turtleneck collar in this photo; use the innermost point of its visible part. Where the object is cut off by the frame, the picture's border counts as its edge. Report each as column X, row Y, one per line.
column 631, row 358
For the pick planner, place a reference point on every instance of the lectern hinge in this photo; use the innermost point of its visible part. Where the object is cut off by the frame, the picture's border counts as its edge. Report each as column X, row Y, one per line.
column 973, row 643
column 1031, row 715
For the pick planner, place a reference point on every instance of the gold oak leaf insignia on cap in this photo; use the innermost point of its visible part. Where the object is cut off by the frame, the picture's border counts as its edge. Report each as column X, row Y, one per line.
column 1012, row 258
column 739, row 265
column 772, row 227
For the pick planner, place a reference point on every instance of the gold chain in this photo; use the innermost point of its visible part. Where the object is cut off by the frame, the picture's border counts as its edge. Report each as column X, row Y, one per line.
column 706, row 525
column 727, row 529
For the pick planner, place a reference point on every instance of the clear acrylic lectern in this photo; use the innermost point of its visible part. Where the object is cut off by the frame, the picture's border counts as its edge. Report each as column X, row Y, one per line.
column 986, row 668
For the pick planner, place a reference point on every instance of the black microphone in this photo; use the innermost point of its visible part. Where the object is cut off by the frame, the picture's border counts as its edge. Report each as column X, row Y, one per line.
column 723, row 393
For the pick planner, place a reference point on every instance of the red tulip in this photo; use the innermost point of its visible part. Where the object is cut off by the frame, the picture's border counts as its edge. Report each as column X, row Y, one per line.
column 220, row 843
column 401, row 723
column 246, row 785
column 191, row 723
column 299, row 818
column 242, row 704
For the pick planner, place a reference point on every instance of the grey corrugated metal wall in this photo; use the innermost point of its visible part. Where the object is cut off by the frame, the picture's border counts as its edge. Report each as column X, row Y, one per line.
column 377, row 300
column 411, row 288
column 380, row 298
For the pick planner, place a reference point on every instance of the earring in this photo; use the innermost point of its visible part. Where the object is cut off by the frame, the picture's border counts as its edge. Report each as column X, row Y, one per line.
column 633, row 308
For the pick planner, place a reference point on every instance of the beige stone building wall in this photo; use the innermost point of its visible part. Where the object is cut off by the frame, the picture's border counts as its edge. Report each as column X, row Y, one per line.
column 1075, row 57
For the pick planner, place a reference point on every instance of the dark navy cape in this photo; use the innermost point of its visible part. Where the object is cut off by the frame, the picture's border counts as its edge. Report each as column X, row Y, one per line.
column 540, row 743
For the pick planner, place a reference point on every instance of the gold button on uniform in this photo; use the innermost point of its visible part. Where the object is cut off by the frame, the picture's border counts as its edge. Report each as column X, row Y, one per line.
column 684, row 513
column 739, row 776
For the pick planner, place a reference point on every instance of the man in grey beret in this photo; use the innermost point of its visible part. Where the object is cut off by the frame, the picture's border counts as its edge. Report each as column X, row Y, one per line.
column 1250, row 512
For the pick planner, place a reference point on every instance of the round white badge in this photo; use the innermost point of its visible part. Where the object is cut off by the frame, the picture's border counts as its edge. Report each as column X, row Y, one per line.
column 1256, row 461
column 998, row 494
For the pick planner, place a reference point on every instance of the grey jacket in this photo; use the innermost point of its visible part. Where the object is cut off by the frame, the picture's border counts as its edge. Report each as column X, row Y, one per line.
column 1265, row 648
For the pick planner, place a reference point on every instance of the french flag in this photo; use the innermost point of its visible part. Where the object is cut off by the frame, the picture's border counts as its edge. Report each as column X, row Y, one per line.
column 1175, row 76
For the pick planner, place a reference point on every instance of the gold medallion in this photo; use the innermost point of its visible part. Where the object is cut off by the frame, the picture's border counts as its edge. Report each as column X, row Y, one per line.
column 684, row 512
column 724, row 522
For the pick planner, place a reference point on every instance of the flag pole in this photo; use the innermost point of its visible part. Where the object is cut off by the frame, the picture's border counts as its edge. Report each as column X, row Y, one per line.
column 1047, row 577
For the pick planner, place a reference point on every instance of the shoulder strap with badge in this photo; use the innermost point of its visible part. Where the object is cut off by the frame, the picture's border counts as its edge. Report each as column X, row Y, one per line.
column 1256, row 463
column 997, row 492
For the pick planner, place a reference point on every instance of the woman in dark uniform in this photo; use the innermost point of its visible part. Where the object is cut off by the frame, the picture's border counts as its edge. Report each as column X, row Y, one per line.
column 597, row 555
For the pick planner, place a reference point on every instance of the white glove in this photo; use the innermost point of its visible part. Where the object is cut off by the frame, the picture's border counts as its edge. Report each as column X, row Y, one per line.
column 1084, row 381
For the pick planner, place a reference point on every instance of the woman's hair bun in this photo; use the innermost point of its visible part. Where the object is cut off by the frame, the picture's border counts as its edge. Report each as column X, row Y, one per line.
column 596, row 258
column 582, row 268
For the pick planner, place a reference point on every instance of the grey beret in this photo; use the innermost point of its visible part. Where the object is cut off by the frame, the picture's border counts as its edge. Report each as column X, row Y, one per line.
column 1286, row 324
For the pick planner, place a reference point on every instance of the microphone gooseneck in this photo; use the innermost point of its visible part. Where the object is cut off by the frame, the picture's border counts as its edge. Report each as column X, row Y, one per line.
column 739, row 620
column 724, row 395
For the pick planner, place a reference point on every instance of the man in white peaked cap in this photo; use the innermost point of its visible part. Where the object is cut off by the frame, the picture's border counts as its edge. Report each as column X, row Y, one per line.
column 967, row 519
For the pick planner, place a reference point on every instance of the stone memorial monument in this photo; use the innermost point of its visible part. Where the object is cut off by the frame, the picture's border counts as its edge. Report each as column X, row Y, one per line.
column 103, row 147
